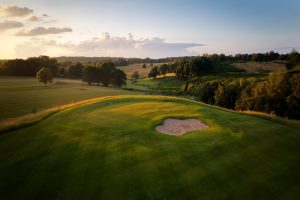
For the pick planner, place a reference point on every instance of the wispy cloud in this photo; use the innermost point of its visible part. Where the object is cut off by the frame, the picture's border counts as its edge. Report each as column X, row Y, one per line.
column 42, row 31
column 6, row 25
column 41, row 18
column 15, row 11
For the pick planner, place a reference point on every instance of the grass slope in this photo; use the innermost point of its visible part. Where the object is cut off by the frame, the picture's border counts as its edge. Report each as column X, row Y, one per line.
column 143, row 72
column 109, row 150
column 21, row 95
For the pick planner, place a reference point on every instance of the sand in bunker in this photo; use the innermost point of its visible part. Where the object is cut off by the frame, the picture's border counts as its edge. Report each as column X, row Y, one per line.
column 180, row 126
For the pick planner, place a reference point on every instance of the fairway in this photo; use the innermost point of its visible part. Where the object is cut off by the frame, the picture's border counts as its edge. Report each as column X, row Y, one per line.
column 109, row 149
column 24, row 95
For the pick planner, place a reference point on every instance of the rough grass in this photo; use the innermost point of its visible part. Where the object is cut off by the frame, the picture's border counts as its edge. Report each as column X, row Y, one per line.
column 108, row 149
column 20, row 95
column 264, row 66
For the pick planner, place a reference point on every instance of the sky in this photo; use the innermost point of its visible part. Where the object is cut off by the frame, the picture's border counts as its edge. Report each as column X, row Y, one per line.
column 147, row 28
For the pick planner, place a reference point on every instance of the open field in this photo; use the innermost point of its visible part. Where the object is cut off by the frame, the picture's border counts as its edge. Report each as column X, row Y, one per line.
column 163, row 85
column 264, row 66
column 108, row 149
column 23, row 95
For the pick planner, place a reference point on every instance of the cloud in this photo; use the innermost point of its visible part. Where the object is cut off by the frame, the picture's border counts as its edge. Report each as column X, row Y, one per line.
column 130, row 47
column 34, row 18
column 15, row 11
column 107, row 45
column 41, row 18
column 6, row 25
column 42, row 31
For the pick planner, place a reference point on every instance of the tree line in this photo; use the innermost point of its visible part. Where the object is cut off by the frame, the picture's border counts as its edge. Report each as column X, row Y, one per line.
column 118, row 61
column 183, row 67
column 29, row 66
column 106, row 74
column 278, row 93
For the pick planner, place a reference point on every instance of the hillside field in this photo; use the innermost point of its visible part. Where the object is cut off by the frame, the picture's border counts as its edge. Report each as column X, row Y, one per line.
column 143, row 72
column 108, row 149
column 23, row 95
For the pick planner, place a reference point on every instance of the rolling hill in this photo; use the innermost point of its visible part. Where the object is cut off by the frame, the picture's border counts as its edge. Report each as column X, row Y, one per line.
column 107, row 148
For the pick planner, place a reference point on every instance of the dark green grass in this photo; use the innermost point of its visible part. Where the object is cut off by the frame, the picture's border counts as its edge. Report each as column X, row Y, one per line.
column 163, row 85
column 20, row 95
column 109, row 150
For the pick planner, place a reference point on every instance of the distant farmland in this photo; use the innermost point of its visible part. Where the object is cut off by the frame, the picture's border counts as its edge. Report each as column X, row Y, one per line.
column 264, row 66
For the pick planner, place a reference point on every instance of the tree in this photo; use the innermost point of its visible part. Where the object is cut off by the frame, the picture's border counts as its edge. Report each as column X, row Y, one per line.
column 144, row 66
column 118, row 78
column 220, row 96
column 163, row 69
column 62, row 72
column 75, row 71
column 258, row 57
column 293, row 99
column 44, row 75
column 266, row 96
column 206, row 91
column 91, row 74
column 194, row 66
column 226, row 94
column 180, row 68
column 106, row 73
column 153, row 72
column 200, row 65
column 135, row 76
column 293, row 60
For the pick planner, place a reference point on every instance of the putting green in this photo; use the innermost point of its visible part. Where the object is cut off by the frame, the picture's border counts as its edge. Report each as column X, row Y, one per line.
column 109, row 149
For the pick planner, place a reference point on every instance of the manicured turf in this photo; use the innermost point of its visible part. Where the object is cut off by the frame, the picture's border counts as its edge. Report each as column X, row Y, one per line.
column 21, row 95
column 109, row 150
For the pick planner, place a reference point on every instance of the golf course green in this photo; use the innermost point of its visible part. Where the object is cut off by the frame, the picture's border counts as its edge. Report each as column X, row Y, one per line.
column 108, row 149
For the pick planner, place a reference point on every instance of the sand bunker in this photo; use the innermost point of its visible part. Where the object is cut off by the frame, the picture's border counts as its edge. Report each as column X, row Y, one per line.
column 180, row 126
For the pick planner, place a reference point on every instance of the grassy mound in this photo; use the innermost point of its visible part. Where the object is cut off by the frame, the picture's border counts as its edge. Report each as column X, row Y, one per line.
column 108, row 149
